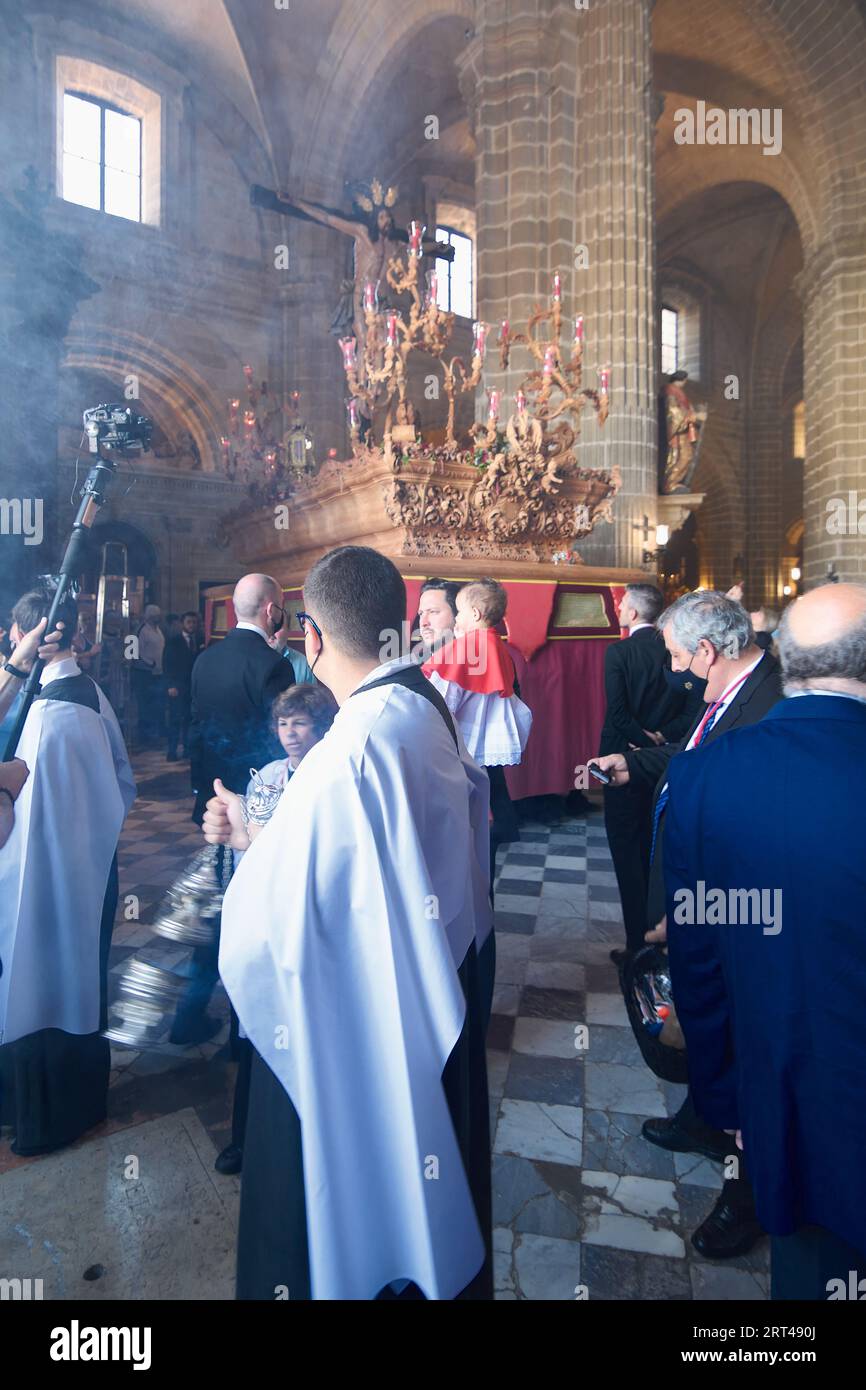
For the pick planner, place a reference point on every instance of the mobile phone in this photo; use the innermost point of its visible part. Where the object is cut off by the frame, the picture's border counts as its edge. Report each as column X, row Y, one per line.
column 599, row 774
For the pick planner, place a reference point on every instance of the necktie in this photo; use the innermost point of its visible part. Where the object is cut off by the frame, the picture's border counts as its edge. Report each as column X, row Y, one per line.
column 665, row 792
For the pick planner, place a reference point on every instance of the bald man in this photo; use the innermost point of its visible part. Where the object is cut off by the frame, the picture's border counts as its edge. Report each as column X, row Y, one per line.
column 766, row 910
column 234, row 684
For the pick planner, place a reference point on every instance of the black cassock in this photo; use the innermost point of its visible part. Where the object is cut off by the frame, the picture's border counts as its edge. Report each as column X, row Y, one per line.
column 53, row 1084
column 272, row 1238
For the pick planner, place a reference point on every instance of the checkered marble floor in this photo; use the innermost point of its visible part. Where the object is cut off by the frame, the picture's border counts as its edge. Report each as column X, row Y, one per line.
column 581, row 1201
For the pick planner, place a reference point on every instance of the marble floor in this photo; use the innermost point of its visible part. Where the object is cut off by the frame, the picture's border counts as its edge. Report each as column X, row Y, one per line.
column 583, row 1206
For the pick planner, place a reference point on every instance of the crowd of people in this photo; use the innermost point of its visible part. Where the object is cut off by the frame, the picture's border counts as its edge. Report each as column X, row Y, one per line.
column 364, row 800
column 733, row 747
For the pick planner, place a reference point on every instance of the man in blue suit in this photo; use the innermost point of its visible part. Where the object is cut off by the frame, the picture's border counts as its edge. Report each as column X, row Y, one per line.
column 765, row 887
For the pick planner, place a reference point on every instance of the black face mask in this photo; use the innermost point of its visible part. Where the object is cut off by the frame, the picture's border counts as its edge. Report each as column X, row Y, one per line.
column 685, row 680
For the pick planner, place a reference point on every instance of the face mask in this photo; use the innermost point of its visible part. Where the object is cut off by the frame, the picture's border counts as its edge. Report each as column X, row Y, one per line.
column 685, row 681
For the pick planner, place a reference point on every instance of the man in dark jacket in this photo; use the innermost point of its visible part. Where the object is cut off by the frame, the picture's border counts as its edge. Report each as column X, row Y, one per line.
column 181, row 650
column 643, row 710
column 234, row 684
column 770, row 984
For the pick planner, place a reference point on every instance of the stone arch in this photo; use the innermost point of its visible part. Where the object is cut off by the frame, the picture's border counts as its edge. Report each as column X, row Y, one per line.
column 180, row 396
column 358, row 59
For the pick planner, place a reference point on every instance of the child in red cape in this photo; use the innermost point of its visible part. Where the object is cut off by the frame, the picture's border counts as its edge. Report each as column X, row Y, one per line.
column 475, row 676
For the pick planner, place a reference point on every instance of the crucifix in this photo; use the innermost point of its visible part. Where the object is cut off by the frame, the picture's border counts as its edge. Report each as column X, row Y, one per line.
column 375, row 238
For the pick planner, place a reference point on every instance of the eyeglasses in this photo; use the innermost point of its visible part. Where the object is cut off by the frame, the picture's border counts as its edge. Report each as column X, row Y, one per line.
column 305, row 618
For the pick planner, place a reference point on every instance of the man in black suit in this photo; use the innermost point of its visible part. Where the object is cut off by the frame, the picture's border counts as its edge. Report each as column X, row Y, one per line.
column 181, row 650
column 642, row 711
column 712, row 644
column 234, row 684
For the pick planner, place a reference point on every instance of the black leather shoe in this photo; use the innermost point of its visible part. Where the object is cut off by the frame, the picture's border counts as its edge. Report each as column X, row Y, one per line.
column 230, row 1160
column 672, row 1134
column 727, row 1232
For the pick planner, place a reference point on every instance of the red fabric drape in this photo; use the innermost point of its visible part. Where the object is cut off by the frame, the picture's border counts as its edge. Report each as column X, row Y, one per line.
column 564, row 687
column 413, row 597
column 528, row 615
column 616, row 593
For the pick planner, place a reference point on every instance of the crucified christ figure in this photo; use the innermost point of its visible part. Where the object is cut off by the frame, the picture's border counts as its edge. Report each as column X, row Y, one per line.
column 375, row 238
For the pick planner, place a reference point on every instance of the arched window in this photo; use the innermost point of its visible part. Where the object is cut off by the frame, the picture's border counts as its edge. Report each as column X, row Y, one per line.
column 670, row 339
column 798, row 430
column 456, row 279
column 680, row 331
column 101, row 156
column 109, row 141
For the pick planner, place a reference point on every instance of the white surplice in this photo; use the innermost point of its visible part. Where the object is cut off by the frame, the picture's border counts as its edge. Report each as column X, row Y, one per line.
column 342, row 932
column 495, row 727
column 54, row 867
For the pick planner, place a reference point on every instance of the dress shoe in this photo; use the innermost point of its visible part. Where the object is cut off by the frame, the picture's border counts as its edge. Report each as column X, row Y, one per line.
column 728, row 1231
column 199, row 1030
column 230, row 1160
column 673, row 1134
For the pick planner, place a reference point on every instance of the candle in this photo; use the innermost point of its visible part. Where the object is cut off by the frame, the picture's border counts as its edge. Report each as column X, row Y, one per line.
column 504, row 331
column 557, row 288
column 549, row 362
column 603, row 381
column 371, row 295
column 494, row 397
column 520, row 398
column 392, row 328
column 227, row 448
column 249, row 420
column 248, row 373
column 354, row 417
column 432, row 287
column 578, row 328
column 349, row 347
column 416, row 236
column 480, row 345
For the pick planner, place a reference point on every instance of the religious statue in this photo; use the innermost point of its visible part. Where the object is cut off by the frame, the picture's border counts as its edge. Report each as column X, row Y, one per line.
column 682, row 430
column 375, row 239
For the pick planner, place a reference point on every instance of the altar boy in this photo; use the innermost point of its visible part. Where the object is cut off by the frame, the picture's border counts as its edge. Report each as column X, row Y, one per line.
column 58, row 893
column 475, row 676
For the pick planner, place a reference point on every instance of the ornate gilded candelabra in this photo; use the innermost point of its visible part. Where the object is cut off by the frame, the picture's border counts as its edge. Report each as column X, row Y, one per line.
column 266, row 443
column 550, row 391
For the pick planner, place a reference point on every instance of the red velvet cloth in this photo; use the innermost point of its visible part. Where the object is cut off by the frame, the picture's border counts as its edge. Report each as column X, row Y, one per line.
column 413, row 597
column 564, row 687
column 616, row 593
column 528, row 615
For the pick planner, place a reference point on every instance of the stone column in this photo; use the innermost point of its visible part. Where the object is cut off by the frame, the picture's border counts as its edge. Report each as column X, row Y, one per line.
column 563, row 112
column 833, row 288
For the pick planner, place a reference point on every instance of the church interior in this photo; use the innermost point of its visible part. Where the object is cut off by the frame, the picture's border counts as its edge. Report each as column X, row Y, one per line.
column 649, row 291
